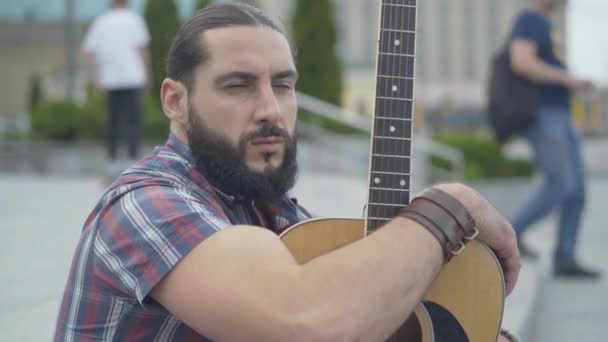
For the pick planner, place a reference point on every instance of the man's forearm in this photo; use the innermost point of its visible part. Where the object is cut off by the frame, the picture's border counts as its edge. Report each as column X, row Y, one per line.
column 89, row 66
column 394, row 267
column 539, row 71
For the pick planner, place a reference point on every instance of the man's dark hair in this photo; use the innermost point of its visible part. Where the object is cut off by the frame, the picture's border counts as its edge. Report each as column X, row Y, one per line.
column 188, row 49
column 122, row 3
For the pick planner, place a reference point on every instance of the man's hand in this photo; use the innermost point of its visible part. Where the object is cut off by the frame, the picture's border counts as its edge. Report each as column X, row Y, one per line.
column 503, row 338
column 493, row 228
column 577, row 84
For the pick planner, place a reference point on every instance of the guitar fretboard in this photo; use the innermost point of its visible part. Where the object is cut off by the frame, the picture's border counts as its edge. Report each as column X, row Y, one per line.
column 391, row 145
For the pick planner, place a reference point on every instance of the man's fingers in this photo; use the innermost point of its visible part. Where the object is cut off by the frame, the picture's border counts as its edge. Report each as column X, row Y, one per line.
column 511, row 265
column 512, row 268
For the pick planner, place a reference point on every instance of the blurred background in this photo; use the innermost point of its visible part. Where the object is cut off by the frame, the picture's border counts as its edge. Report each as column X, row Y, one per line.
column 47, row 98
column 52, row 125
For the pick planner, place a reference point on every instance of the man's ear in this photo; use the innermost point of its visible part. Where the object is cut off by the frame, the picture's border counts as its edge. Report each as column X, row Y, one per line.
column 174, row 98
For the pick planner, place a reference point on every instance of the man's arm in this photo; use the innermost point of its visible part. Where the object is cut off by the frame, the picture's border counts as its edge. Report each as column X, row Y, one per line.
column 243, row 284
column 525, row 62
column 90, row 67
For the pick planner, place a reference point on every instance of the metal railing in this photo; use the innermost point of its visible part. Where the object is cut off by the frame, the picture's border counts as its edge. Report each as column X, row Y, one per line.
column 422, row 144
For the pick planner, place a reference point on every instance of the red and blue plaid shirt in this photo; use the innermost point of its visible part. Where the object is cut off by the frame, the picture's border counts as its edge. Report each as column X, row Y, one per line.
column 154, row 214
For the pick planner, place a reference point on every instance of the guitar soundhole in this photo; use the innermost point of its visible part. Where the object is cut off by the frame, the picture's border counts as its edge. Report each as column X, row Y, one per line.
column 446, row 327
column 409, row 331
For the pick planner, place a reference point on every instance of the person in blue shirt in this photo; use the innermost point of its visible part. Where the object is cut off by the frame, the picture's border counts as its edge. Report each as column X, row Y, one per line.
column 552, row 137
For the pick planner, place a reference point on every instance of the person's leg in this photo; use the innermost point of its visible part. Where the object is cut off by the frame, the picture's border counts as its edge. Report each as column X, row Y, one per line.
column 572, row 206
column 548, row 141
column 112, row 122
column 574, row 197
column 134, row 121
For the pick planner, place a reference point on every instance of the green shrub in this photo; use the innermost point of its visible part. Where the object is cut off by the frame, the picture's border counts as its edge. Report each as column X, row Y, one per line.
column 56, row 120
column 315, row 37
column 484, row 157
column 329, row 124
column 35, row 94
column 66, row 121
column 163, row 23
column 200, row 4
column 92, row 117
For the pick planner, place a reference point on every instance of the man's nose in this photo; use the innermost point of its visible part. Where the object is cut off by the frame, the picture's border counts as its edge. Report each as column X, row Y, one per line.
column 268, row 109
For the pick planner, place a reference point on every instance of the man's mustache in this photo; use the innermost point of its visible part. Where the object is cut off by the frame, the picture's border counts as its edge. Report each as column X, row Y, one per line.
column 267, row 131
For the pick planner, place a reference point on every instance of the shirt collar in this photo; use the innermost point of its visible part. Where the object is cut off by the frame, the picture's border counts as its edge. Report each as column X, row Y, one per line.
column 180, row 148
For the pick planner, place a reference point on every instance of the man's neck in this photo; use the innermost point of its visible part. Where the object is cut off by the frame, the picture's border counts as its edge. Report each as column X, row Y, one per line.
column 541, row 9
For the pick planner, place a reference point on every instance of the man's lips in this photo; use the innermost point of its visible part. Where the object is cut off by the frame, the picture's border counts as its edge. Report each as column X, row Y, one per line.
column 267, row 141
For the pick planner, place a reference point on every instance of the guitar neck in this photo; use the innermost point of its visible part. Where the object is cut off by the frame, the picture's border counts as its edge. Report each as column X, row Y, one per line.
column 391, row 139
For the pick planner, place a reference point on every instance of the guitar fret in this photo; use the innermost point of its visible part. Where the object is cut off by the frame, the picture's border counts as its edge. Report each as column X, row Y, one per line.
column 379, row 218
column 396, row 54
column 396, row 30
column 399, row 5
column 392, row 173
column 393, row 138
column 385, row 205
column 390, row 156
column 390, row 118
column 393, row 98
column 394, row 76
column 387, row 189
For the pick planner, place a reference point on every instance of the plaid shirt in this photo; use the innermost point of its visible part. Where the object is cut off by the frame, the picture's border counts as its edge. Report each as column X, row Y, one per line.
column 154, row 214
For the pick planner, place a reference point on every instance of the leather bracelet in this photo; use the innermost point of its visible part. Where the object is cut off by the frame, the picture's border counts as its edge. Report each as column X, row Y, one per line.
column 445, row 217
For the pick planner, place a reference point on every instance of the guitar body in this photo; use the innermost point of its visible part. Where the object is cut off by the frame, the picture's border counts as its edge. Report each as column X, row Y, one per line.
column 464, row 304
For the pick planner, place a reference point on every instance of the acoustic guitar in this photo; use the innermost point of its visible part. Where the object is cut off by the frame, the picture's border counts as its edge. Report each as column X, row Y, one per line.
column 465, row 302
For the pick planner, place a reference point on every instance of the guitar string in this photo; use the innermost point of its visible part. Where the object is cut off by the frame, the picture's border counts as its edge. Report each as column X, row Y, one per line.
column 403, row 110
column 387, row 47
column 391, row 48
column 387, row 103
column 396, row 103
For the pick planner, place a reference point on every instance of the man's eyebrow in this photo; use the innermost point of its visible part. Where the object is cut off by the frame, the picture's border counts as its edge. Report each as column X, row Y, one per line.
column 285, row 74
column 247, row 76
column 240, row 75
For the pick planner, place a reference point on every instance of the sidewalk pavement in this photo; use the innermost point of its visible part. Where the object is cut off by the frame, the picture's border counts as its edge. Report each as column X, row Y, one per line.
column 543, row 308
column 42, row 218
column 595, row 153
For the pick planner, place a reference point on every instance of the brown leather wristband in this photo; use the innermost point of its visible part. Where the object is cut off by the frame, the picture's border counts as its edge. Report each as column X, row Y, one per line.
column 445, row 217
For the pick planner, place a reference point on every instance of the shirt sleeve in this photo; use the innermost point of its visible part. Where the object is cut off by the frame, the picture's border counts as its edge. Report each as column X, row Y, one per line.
column 142, row 34
column 90, row 39
column 145, row 233
column 529, row 27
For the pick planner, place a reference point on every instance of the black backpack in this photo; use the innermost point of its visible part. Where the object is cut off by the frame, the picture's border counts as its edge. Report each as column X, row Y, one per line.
column 513, row 100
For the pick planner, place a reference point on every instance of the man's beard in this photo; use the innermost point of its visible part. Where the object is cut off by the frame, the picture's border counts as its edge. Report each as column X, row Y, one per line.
column 224, row 164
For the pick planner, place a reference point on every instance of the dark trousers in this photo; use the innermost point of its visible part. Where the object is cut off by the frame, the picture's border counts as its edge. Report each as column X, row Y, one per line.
column 124, row 103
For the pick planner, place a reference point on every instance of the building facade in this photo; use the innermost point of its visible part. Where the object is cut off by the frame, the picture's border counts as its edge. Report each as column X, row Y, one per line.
column 455, row 41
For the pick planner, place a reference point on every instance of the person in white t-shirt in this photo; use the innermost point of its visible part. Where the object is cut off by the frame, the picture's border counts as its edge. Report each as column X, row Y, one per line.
column 117, row 45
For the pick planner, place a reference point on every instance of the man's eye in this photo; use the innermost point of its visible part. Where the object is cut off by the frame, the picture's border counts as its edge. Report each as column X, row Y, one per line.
column 283, row 86
column 236, row 86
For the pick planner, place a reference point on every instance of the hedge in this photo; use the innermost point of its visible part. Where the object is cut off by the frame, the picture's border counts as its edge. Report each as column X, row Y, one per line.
column 484, row 157
column 63, row 120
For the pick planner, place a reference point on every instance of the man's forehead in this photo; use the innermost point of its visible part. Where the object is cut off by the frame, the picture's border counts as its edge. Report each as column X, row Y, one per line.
column 247, row 46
